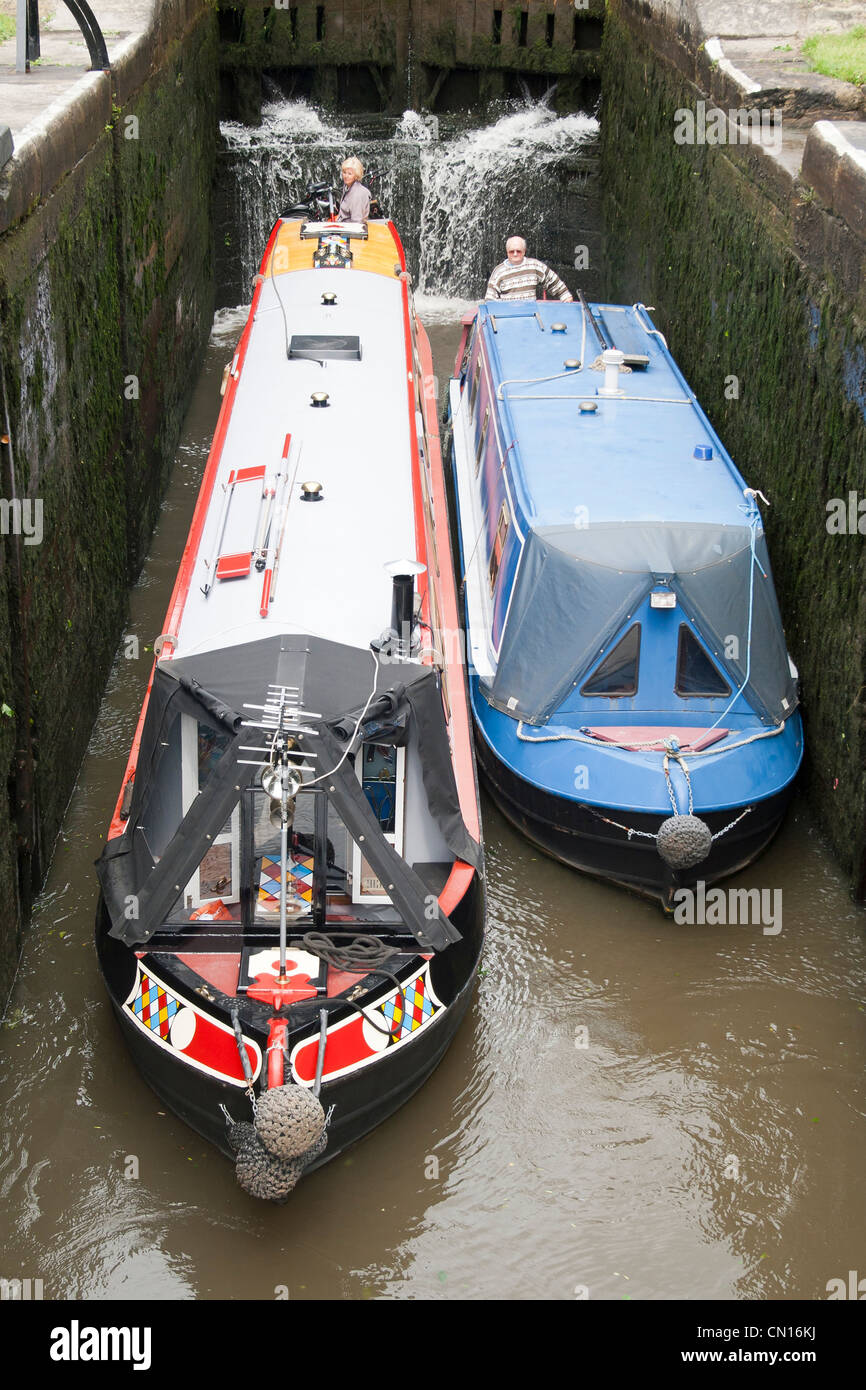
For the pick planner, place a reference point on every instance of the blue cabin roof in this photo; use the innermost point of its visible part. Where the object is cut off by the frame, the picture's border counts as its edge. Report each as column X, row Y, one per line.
column 632, row 460
column 607, row 503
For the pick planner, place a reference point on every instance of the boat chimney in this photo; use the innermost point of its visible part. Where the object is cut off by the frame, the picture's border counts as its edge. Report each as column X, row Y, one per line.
column 398, row 639
column 612, row 360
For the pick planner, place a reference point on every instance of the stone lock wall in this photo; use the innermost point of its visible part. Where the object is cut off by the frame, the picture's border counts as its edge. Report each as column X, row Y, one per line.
column 760, row 288
column 105, row 306
column 387, row 55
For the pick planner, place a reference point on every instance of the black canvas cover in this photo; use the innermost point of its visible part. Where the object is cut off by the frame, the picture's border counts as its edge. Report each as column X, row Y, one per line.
column 141, row 882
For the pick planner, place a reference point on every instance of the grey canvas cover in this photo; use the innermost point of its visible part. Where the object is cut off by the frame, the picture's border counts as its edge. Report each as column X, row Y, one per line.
column 577, row 586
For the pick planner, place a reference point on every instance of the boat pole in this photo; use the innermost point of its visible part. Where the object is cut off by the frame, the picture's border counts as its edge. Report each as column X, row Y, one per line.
column 284, row 861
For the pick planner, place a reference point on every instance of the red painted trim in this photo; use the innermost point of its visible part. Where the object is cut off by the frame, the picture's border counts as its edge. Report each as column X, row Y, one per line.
column 278, row 1037
column 456, row 887
column 117, row 825
column 458, row 697
column 421, row 548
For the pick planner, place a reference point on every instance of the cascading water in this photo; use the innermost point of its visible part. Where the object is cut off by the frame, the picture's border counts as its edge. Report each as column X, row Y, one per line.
column 502, row 179
column 454, row 192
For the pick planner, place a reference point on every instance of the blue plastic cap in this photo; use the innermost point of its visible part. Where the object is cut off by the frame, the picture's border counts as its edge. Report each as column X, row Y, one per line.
column 703, row 451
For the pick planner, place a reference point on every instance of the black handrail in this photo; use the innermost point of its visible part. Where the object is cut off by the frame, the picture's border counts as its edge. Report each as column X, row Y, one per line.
column 32, row 17
column 87, row 23
column 89, row 27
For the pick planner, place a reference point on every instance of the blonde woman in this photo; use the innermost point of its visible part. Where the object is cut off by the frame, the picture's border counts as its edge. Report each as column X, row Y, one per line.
column 355, row 202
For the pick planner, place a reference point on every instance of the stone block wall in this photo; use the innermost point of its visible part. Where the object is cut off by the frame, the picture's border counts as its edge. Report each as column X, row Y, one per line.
column 105, row 306
column 436, row 55
column 760, row 288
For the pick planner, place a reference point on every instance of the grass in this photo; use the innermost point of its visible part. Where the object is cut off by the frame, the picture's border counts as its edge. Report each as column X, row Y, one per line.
column 7, row 27
column 839, row 55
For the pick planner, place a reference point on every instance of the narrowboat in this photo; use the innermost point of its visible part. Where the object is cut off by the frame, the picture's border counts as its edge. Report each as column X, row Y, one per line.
column 635, row 706
column 291, row 906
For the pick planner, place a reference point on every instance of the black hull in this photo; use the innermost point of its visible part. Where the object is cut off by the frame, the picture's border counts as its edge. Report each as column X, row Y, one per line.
column 575, row 835
column 361, row 1100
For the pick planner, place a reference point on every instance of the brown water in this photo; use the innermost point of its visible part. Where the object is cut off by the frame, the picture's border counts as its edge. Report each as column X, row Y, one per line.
column 632, row 1108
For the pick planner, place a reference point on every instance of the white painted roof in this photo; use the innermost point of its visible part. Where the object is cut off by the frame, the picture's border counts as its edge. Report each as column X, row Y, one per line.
column 331, row 580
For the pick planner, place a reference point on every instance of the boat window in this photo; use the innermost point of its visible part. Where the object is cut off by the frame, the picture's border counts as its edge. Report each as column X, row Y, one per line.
column 696, row 673
column 262, row 865
column 482, row 440
column 498, row 545
column 381, row 770
column 218, row 874
column 162, row 809
column 473, row 395
column 617, row 674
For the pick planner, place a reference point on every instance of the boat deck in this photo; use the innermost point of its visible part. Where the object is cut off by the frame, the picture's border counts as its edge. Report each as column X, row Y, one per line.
column 612, row 470
column 331, row 579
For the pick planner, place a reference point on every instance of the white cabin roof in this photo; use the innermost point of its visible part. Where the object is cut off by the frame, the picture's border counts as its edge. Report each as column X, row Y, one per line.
column 331, row 580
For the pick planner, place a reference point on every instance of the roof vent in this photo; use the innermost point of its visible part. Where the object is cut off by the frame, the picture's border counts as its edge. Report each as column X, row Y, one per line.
column 320, row 399
column 558, row 328
column 612, row 360
column 311, row 492
column 587, row 407
column 572, row 364
column 329, row 298
column 703, row 451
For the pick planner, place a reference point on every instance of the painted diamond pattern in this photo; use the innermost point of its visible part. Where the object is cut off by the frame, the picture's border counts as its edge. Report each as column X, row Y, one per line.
column 407, row 1011
column 301, row 874
column 154, row 1006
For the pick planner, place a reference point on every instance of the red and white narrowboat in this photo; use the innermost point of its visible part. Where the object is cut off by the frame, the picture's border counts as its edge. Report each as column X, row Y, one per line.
column 291, row 908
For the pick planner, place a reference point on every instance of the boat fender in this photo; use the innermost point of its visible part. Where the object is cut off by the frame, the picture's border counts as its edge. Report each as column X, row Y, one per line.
column 289, row 1120
column 683, row 841
column 257, row 1170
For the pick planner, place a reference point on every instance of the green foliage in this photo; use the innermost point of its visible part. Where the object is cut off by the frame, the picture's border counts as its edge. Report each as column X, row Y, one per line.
column 839, row 55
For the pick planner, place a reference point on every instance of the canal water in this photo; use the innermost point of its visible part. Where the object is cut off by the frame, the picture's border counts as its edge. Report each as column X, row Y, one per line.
column 632, row 1109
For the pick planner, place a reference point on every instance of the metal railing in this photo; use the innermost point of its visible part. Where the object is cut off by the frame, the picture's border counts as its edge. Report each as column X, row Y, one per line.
column 27, row 34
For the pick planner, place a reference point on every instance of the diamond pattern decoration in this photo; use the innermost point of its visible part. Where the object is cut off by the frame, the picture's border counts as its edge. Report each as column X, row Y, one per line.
column 405, row 1012
column 154, row 1006
column 300, row 885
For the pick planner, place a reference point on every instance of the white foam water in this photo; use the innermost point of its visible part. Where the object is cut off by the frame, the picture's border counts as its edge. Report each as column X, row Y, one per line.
column 454, row 197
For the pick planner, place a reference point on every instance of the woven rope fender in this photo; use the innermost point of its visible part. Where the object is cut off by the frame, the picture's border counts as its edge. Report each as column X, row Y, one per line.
column 289, row 1121
column 683, row 841
column 258, row 1171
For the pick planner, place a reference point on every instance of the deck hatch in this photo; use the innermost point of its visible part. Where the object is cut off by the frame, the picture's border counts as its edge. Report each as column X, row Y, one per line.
column 325, row 347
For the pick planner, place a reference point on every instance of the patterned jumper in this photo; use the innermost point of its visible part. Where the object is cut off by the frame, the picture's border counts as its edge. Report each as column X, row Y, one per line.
column 523, row 281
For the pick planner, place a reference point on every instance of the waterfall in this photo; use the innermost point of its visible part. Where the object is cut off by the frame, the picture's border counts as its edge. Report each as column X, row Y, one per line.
column 489, row 183
column 455, row 191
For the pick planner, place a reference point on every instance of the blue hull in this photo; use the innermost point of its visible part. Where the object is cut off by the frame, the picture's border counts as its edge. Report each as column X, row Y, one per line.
column 593, row 837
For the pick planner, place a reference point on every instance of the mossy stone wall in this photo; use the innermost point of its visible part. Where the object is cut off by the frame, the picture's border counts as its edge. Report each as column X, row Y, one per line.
column 106, row 298
column 753, row 280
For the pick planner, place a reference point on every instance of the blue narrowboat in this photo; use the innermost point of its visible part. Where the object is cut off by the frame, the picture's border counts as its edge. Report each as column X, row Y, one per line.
column 634, row 701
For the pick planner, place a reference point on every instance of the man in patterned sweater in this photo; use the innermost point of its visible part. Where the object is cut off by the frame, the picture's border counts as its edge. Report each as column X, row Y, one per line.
column 521, row 276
